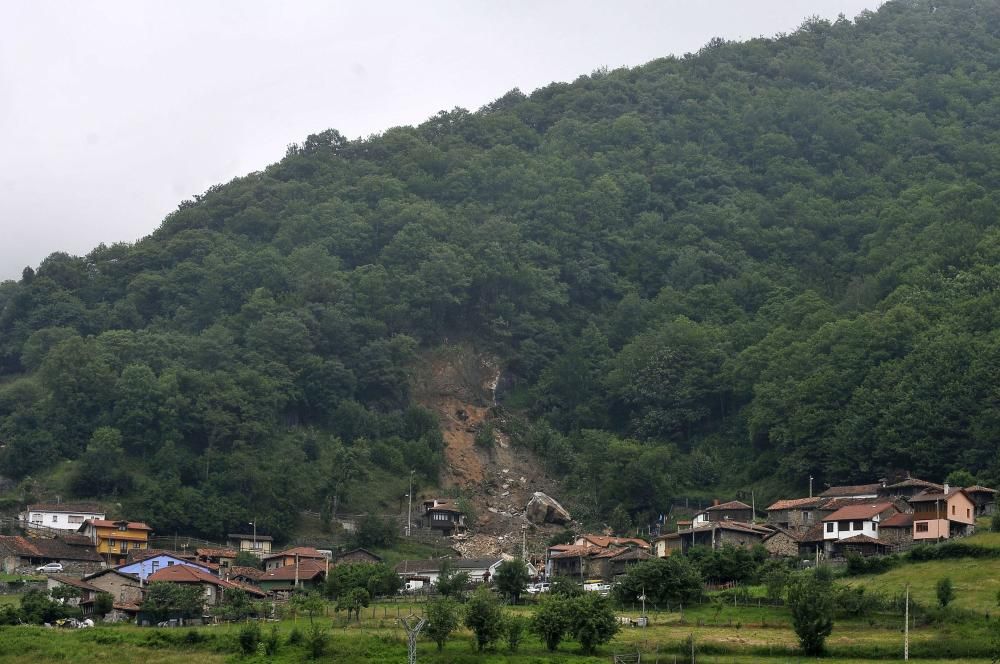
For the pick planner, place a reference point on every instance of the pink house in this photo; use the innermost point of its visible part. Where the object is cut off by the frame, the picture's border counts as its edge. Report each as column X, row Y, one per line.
column 943, row 514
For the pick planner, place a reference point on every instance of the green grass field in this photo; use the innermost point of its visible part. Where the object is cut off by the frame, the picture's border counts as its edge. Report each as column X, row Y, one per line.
column 721, row 634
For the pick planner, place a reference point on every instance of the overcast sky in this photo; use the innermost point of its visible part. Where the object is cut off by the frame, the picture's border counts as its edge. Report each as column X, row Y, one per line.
column 113, row 112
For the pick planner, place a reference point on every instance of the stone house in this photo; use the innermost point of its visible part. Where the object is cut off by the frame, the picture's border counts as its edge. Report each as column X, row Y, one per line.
column 796, row 514
column 781, row 542
column 897, row 530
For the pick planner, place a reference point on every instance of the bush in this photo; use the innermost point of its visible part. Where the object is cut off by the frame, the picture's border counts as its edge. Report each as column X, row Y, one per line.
column 810, row 599
column 664, row 580
column 511, row 578
column 316, row 641
column 295, row 637
column 483, row 617
column 945, row 592
column 272, row 643
column 514, row 628
column 551, row 620
column 592, row 621
column 248, row 638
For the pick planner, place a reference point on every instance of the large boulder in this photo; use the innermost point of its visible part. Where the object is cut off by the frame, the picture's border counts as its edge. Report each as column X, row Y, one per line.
column 543, row 508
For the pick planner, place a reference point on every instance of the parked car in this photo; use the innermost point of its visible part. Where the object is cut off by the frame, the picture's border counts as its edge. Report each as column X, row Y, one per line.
column 50, row 568
column 535, row 588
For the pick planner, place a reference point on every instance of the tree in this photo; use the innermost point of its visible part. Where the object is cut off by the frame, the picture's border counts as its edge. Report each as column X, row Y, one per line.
column 374, row 532
column 310, row 602
column 247, row 559
column 945, row 591
column 442, row 620
column 103, row 604
column 163, row 600
column 484, row 617
column 810, row 600
column 564, row 586
column 512, row 578
column 663, row 580
column 354, row 600
column 592, row 621
column 960, row 478
column 235, row 605
column 451, row 583
column 552, row 619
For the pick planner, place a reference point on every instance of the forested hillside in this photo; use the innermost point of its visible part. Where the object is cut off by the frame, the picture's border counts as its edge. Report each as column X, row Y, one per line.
column 741, row 267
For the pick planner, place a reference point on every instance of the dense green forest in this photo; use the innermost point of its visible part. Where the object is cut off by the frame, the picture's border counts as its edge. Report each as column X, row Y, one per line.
column 735, row 268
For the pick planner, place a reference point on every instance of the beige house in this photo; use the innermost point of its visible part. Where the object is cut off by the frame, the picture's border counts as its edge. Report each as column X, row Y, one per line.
column 259, row 545
column 943, row 514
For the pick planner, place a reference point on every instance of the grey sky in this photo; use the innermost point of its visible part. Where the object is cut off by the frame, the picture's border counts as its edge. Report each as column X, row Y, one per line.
column 113, row 112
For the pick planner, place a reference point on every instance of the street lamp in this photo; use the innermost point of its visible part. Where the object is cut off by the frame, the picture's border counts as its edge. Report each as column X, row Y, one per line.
column 409, row 506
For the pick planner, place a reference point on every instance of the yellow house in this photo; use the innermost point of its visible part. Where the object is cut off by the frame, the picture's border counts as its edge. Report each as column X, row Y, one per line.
column 114, row 539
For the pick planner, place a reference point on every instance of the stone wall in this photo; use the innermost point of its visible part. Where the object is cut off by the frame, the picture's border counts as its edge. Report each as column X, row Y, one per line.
column 781, row 545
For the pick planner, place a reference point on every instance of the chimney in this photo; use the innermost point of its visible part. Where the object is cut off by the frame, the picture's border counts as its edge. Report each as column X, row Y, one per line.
column 946, row 488
column 715, row 502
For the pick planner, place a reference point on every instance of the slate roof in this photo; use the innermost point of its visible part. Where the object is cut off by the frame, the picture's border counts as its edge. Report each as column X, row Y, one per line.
column 901, row 520
column 47, row 548
column 858, row 512
column 863, row 539
column 731, row 505
column 76, row 583
column 375, row 556
column 853, row 490
column 792, row 503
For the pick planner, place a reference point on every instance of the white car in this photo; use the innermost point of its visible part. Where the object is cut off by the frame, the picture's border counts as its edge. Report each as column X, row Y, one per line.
column 50, row 568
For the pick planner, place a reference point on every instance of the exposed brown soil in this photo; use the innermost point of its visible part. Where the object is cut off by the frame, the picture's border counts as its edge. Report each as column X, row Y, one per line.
column 457, row 384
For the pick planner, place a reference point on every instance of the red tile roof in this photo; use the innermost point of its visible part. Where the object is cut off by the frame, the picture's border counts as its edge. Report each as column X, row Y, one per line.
column 106, row 523
column 934, row 496
column 183, row 574
column 308, row 569
column 217, row 553
column 300, row 551
column 913, row 481
column 853, row 490
column 606, row 541
column 791, row 503
column 247, row 572
column 76, row 583
column 901, row 520
column 47, row 548
column 858, row 512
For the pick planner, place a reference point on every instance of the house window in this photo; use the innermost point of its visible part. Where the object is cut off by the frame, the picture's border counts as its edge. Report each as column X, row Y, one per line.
column 807, row 516
column 169, row 563
column 829, row 527
column 36, row 518
column 156, row 565
column 953, row 510
column 858, row 525
column 55, row 518
column 75, row 518
column 968, row 513
column 922, row 527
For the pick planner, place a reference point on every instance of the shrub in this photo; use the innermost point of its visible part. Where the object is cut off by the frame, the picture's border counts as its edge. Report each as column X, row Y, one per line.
column 811, row 602
column 551, row 620
column 248, row 638
column 295, row 637
column 945, row 592
column 316, row 641
column 592, row 621
column 514, row 628
column 483, row 617
column 272, row 642
column 442, row 620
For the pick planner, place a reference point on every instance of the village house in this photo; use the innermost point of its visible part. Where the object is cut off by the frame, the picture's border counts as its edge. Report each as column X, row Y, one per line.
column 984, row 498
column 418, row 573
column 125, row 591
column 842, row 528
column 734, row 510
column 247, row 575
column 86, row 592
column 213, row 587
column 114, row 539
column 944, row 514
column 576, row 561
column 220, row 558
column 259, row 545
column 796, row 514
column 60, row 516
column 291, row 556
column 782, row 542
column 357, row 556
column 897, row 530
column 146, row 566
column 23, row 554
column 907, row 488
column 714, row 534
column 308, row 573
column 444, row 516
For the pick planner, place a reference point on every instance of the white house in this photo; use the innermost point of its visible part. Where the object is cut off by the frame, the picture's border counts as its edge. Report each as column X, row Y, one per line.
column 61, row 516
column 856, row 520
column 418, row 573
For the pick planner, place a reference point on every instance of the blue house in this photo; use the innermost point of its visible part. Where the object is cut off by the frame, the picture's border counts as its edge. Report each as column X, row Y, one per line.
column 160, row 560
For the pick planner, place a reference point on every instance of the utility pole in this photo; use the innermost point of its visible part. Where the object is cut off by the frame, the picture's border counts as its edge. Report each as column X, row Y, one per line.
column 254, row 524
column 906, row 627
column 409, row 506
column 810, row 486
